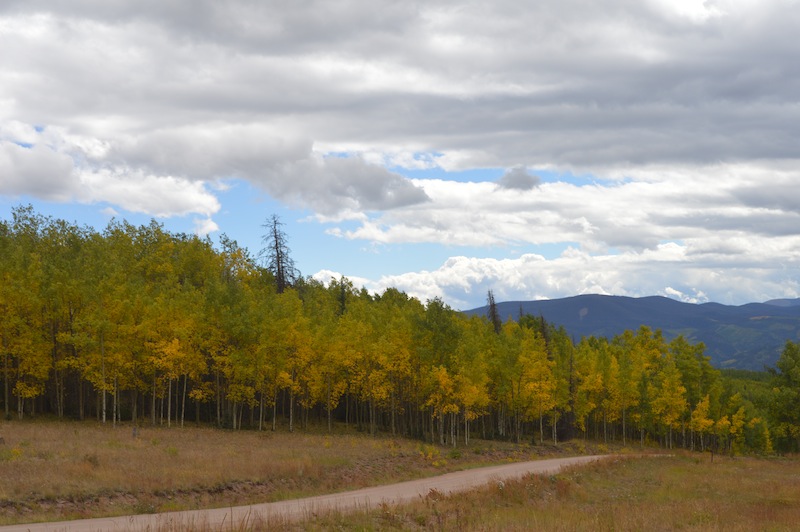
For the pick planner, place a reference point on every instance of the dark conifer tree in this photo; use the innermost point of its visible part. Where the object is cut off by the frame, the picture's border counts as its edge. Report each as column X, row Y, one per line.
column 493, row 313
column 277, row 255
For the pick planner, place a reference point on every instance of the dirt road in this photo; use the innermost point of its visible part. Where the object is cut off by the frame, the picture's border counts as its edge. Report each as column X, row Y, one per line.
column 240, row 517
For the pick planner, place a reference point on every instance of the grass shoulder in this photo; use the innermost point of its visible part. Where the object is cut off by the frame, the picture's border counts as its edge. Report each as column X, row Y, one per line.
column 682, row 491
column 55, row 470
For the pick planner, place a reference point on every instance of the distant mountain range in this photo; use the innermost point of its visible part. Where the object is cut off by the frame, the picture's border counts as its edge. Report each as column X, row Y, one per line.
column 749, row 336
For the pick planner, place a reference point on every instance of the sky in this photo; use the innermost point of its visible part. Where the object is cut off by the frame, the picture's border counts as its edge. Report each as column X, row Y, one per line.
column 445, row 147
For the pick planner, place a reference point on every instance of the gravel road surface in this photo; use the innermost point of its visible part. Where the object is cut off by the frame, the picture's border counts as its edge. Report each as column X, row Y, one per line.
column 238, row 517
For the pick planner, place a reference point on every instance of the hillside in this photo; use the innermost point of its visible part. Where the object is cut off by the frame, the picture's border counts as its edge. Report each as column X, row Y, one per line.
column 747, row 337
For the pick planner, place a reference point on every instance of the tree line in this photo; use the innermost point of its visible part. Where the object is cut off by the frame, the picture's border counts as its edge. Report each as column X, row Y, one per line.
column 137, row 323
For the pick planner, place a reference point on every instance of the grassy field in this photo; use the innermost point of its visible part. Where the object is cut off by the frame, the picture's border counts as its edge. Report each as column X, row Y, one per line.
column 63, row 470
column 59, row 470
column 679, row 492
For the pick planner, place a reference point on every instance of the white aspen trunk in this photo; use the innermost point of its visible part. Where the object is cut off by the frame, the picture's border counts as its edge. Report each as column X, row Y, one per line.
column 624, row 434
column 6, row 404
column 183, row 400
column 114, row 405
column 153, row 403
column 328, row 405
column 393, row 414
column 274, row 411
column 260, row 411
column 291, row 411
column 541, row 425
column 103, row 373
column 169, row 403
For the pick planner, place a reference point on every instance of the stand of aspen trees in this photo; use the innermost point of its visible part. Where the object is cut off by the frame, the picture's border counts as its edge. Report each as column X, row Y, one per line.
column 137, row 324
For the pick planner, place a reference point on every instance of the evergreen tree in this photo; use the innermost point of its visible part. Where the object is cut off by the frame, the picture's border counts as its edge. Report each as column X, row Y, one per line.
column 277, row 255
column 493, row 313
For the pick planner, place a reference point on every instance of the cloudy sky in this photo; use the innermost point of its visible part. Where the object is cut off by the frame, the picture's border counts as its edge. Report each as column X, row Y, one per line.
column 539, row 149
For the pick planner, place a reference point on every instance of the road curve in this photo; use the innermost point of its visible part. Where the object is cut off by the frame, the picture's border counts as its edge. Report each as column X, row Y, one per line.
column 238, row 517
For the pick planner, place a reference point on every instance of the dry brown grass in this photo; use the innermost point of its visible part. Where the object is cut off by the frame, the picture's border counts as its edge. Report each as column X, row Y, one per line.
column 55, row 470
column 683, row 492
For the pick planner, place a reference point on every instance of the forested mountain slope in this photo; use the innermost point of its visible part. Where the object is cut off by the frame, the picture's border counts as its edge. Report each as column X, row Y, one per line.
column 746, row 337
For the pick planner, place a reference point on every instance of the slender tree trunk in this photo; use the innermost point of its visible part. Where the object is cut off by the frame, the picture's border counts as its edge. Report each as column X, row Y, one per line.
column 261, row 411
column 153, row 403
column 183, row 400
column 291, row 411
column 135, row 405
column 624, row 433
column 374, row 416
column 394, row 430
column 114, row 404
column 274, row 411
column 330, row 421
column 219, row 398
column 103, row 373
column 80, row 400
column 169, row 402
column 6, row 402
column 541, row 425
column 501, row 424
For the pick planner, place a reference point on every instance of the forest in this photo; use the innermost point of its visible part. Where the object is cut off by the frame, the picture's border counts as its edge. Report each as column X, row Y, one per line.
column 136, row 324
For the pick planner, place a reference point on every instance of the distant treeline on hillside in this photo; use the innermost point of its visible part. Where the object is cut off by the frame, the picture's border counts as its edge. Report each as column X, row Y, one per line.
column 136, row 323
column 749, row 336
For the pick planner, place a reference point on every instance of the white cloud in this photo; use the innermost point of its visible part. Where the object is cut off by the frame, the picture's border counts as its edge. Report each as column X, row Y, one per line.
column 205, row 226
column 634, row 214
column 464, row 281
column 697, row 297
column 49, row 164
column 160, row 196
column 685, row 113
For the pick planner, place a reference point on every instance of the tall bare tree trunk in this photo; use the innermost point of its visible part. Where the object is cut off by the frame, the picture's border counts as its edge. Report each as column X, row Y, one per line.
column 103, row 370
column 5, row 387
column 274, row 411
column 330, row 421
column 169, row 402
column 183, row 400
column 291, row 411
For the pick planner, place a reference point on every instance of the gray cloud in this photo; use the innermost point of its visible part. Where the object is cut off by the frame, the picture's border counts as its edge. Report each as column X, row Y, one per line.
column 336, row 187
column 283, row 166
column 680, row 110
column 518, row 178
column 611, row 83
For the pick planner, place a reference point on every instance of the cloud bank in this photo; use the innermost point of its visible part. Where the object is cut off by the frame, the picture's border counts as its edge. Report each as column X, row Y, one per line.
column 684, row 115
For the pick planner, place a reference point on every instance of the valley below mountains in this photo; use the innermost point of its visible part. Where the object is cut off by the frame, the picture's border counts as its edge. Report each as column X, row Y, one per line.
column 749, row 336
